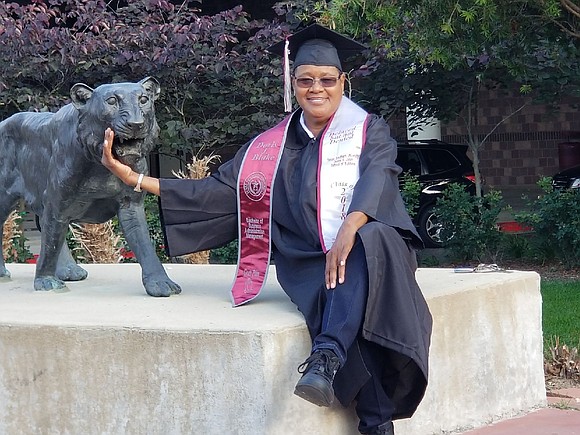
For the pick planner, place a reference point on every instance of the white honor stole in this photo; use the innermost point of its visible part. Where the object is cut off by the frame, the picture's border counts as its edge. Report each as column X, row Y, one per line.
column 338, row 168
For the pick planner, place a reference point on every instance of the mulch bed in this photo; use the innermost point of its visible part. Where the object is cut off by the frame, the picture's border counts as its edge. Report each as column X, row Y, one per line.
column 548, row 271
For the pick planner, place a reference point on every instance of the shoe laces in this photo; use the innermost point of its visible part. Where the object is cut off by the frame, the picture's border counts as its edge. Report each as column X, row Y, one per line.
column 321, row 361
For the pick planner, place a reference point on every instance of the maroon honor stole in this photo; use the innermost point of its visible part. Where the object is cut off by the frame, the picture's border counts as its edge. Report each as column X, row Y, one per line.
column 338, row 171
column 255, row 182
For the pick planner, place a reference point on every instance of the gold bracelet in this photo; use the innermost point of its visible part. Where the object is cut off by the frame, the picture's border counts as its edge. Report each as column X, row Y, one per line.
column 139, row 180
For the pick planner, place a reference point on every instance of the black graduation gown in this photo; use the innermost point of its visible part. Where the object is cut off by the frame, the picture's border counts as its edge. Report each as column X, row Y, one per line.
column 202, row 214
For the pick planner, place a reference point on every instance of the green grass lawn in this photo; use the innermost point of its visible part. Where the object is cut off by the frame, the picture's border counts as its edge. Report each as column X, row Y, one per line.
column 561, row 312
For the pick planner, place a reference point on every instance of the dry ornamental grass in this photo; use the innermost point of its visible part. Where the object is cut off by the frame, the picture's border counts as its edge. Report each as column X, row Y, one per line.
column 564, row 361
column 97, row 243
column 12, row 231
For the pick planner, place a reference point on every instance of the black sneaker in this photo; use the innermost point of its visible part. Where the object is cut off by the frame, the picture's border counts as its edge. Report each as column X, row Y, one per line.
column 318, row 374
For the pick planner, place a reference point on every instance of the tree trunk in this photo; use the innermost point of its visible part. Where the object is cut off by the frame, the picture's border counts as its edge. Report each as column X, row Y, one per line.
column 474, row 147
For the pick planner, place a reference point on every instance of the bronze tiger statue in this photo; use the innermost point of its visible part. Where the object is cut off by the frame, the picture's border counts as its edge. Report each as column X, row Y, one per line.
column 53, row 162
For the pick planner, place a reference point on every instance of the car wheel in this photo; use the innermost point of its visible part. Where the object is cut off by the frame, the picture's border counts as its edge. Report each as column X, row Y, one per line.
column 429, row 228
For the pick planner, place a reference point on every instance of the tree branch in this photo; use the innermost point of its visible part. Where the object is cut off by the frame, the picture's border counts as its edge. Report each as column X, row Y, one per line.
column 504, row 120
column 571, row 7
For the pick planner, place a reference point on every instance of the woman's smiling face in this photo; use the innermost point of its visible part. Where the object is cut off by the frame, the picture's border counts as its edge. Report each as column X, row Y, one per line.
column 318, row 102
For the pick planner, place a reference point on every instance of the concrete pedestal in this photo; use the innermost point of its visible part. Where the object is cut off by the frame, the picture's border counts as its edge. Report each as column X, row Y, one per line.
column 105, row 358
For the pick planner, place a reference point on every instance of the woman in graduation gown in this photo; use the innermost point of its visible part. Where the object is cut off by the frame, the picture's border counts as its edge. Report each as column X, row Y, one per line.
column 343, row 244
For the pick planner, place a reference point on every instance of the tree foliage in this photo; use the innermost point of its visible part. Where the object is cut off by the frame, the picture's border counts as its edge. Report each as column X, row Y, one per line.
column 218, row 85
column 455, row 32
column 505, row 43
column 436, row 56
column 571, row 24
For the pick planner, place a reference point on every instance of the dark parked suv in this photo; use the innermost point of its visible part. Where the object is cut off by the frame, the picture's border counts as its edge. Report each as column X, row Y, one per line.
column 436, row 164
column 567, row 179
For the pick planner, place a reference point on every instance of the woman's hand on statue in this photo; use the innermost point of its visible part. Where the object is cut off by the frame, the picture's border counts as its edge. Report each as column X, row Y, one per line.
column 124, row 172
column 336, row 257
column 119, row 169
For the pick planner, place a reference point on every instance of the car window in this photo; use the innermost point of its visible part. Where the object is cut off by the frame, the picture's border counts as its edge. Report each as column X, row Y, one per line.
column 409, row 161
column 438, row 160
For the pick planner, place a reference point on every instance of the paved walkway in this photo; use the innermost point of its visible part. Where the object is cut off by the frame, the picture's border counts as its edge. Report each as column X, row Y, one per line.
column 562, row 417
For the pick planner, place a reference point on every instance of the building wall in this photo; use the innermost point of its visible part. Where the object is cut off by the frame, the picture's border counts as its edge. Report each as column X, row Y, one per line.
column 525, row 146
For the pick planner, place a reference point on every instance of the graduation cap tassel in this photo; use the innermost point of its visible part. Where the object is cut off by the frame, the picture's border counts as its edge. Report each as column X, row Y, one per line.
column 287, row 82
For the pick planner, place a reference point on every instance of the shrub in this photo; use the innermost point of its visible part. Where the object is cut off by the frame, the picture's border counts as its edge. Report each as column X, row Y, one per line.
column 218, row 83
column 469, row 224
column 410, row 191
column 517, row 245
column 154, row 225
column 227, row 254
column 555, row 219
column 14, row 248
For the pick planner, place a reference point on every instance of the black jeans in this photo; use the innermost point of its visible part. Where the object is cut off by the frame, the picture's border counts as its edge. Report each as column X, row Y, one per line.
column 344, row 306
column 344, row 311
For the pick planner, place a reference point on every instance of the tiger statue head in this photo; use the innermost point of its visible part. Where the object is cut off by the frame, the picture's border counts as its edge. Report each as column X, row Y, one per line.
column 127, row 108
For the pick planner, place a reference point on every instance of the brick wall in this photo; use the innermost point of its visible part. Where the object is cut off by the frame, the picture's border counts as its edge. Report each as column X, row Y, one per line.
column 525, row 146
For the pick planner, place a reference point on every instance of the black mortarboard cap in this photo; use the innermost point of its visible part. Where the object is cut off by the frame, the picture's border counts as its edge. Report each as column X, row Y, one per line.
column 318, row 45
column 314, row 45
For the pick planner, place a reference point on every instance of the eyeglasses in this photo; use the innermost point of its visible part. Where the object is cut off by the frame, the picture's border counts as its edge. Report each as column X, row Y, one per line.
column 308, row 82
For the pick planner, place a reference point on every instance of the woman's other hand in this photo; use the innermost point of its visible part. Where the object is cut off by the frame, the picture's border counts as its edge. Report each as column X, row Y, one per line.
column 336, row 257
